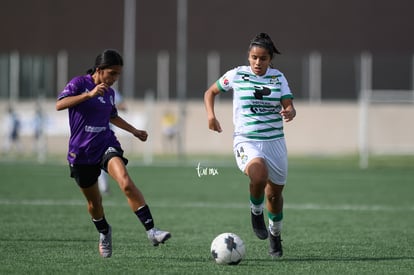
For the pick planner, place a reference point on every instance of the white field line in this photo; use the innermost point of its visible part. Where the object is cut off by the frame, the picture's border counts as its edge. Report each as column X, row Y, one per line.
column 306, row 206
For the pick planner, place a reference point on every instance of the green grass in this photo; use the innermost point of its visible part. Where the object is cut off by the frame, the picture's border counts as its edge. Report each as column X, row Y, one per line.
column 338, row 219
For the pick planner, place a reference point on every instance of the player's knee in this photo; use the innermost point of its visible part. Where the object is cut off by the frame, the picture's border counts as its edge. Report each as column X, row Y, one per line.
column 257, row 171
column 127, row 185
column 274, row 198
column 273, row 192
column 258, row 182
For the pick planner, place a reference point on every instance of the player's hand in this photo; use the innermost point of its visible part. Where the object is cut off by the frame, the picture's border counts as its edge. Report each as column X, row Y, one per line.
column 99, row 90
column 214, row 125
column 288, row 113
column 141, row 134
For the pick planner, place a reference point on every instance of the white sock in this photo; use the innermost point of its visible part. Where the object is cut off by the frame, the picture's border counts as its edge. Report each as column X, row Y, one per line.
column 256, row 209
column 275, row 227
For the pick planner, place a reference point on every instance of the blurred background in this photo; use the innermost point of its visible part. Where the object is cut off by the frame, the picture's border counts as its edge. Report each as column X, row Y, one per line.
column 350, row 65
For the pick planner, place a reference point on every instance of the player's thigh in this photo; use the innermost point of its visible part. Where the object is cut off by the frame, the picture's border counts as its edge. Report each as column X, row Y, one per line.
column 117, row 169
column 257, row 170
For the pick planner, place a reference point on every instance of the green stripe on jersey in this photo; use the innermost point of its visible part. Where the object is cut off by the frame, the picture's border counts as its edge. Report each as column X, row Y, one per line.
column 265, row 98
column 253, row 89
column 265, row 130
column 264, row 121
column 251, row 74
column 252, row 82
column 245, row 73
column 242, row 89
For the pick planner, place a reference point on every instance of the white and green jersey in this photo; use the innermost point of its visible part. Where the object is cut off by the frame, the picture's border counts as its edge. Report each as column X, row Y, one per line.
column 256, row 102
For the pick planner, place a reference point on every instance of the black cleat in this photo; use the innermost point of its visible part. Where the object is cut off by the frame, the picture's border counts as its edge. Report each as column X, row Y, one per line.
column 259, row 226
column 275, row 249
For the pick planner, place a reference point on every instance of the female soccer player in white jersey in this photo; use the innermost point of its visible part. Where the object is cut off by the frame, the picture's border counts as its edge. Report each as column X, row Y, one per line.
column 261, row 101
column 93, row 145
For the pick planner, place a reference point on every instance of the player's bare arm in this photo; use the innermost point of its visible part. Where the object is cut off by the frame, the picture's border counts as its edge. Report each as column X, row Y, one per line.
column 209, row 96
column 123, row 124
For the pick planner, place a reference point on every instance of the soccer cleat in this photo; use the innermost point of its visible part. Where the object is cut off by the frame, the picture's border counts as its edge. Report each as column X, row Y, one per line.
column 105, row 244
column 157, row 236
column 259, row 226
column 275, row 249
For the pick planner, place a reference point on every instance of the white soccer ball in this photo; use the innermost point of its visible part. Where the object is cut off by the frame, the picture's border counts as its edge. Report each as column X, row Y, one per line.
column 228, row 248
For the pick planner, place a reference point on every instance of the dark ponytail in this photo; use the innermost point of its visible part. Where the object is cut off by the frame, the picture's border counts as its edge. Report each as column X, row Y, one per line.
column 106, row 59
column 263, row 40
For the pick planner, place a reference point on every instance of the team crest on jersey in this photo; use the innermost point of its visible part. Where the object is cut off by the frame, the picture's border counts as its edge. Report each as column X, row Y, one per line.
column 225, row 81
column 274, row 79
column 245, row 77
column 101, row 99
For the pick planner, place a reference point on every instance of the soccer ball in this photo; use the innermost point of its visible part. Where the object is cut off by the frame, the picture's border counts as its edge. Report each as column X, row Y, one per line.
column 228, row 248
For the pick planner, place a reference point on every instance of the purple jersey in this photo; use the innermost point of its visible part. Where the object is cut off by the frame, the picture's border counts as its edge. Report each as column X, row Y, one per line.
column 90, row 134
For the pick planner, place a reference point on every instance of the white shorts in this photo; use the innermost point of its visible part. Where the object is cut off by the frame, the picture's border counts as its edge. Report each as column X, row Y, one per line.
column 274, row 152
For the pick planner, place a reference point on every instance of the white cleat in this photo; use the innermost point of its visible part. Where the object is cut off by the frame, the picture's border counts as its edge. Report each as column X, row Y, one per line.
column 105, row 244
column 157, row 236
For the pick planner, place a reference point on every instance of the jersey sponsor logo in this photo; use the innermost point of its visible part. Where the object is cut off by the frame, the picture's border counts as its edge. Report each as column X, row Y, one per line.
column 265, row 109
column 259, row 92
column 94, row 129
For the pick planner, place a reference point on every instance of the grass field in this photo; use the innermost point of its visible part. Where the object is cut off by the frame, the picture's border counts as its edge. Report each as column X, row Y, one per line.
column 338, row 219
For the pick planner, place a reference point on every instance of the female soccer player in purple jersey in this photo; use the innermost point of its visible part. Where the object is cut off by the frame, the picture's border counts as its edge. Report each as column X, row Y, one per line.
column 93, row 145
column 261, row 101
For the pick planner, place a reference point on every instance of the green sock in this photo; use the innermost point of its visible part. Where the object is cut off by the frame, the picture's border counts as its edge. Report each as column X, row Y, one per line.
column 255, row 201
column 275, row 217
